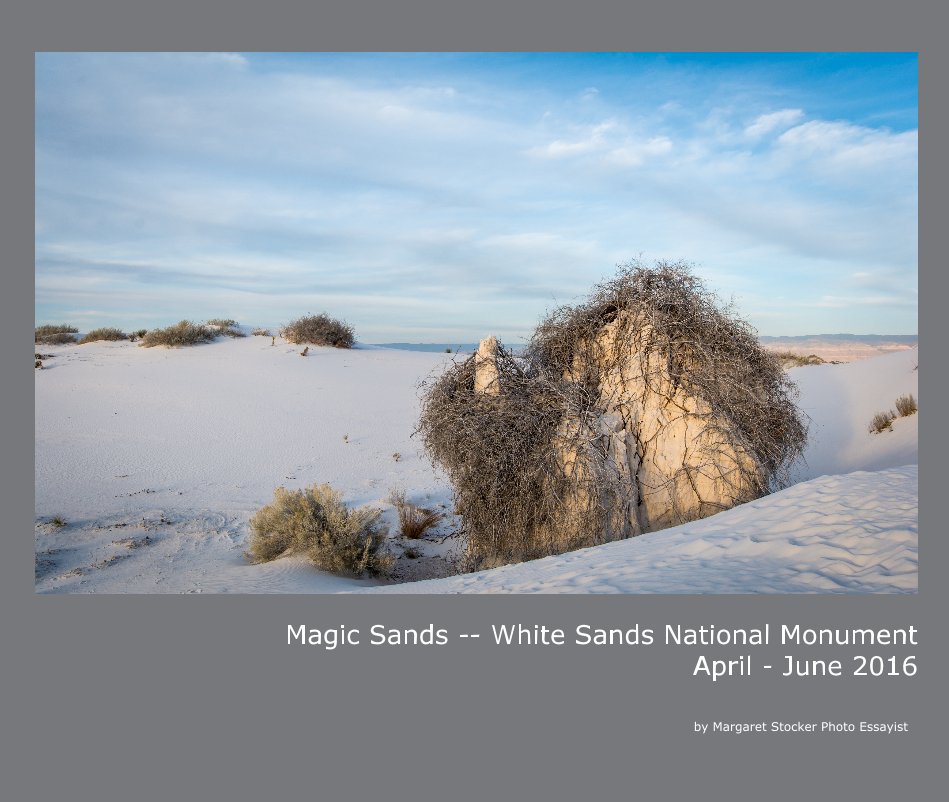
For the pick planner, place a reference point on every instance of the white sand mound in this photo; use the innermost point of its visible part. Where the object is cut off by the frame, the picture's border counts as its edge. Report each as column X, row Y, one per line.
column 836, row 534
column 156, row 459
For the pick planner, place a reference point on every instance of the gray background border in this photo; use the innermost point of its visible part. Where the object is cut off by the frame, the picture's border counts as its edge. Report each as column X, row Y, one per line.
column 140, row 698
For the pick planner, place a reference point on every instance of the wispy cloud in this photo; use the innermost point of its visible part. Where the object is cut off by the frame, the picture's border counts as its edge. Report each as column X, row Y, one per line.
column 472, row 193
column 773, row 121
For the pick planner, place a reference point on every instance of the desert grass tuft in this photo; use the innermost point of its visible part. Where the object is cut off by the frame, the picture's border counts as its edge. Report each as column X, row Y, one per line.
column 906, row 405
column 882, row 421
column 414, row 521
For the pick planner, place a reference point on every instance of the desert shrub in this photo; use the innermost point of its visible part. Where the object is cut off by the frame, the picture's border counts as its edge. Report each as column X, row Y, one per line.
column 259, row 332
column 226, row 326
column 882, row 422
column 316, row 522
column 58, row 521
column 511, row 485
column 55, row 328
column 183, row 333
column 414, row 521
column 790, row 359
column 103, row 334
column 319, row 330
column 55, row 334
column 906, row 405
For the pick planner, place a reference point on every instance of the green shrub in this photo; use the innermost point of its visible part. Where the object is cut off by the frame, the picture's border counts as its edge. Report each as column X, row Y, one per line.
column 60, row 334
column 882, row 421
column 316, row 522
column 103, row 334
column 906, row 405
column 319, row 330
column 183, row 333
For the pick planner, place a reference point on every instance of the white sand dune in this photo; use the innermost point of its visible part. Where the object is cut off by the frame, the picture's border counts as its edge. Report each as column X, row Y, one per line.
column 157, row 458
column 836, row 534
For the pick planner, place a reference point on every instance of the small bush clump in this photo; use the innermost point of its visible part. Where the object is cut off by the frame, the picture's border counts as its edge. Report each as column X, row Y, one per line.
column 316, row 522
column 319, row 330
column 882, row 421
column 226, row 326
column 56, row 328
column 103, row 334
column 260, row 332
column 183, row 333
column 60, row 334
column 906, row 405
column 414, row 521
column 790, row 359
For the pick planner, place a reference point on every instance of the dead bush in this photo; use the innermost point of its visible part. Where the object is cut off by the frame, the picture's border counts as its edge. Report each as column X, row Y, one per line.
column 906, row 405
column 180, row 334
column 316, row 522
column 882, row 421
column 414, row 521
column 96, row 335
column 319, row 330
column 260, row 332
column 504, row 452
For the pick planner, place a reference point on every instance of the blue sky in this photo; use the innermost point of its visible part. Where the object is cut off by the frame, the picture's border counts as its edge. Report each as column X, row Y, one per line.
column 442, row 197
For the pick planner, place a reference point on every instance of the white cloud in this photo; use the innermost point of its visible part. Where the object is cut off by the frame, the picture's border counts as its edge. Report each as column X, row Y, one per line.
column 776, row 120
column 594, row 140
column 850, row 146
column 633, row 154
column 614, row 142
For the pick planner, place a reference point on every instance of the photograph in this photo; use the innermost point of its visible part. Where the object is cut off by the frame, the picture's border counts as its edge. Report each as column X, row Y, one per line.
column 476, row 323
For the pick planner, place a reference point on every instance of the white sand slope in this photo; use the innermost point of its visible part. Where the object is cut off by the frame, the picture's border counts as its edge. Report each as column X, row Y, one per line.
column 157, row 458
column 836, row 534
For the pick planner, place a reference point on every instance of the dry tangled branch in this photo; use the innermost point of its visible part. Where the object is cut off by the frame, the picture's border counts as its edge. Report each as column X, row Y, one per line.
column 680, row 330
column 565, row 454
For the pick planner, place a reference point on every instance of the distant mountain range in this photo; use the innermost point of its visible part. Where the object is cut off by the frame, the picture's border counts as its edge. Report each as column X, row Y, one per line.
column 830, row 347
column 870, row 339
column 455, row 347
column 828, row 339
